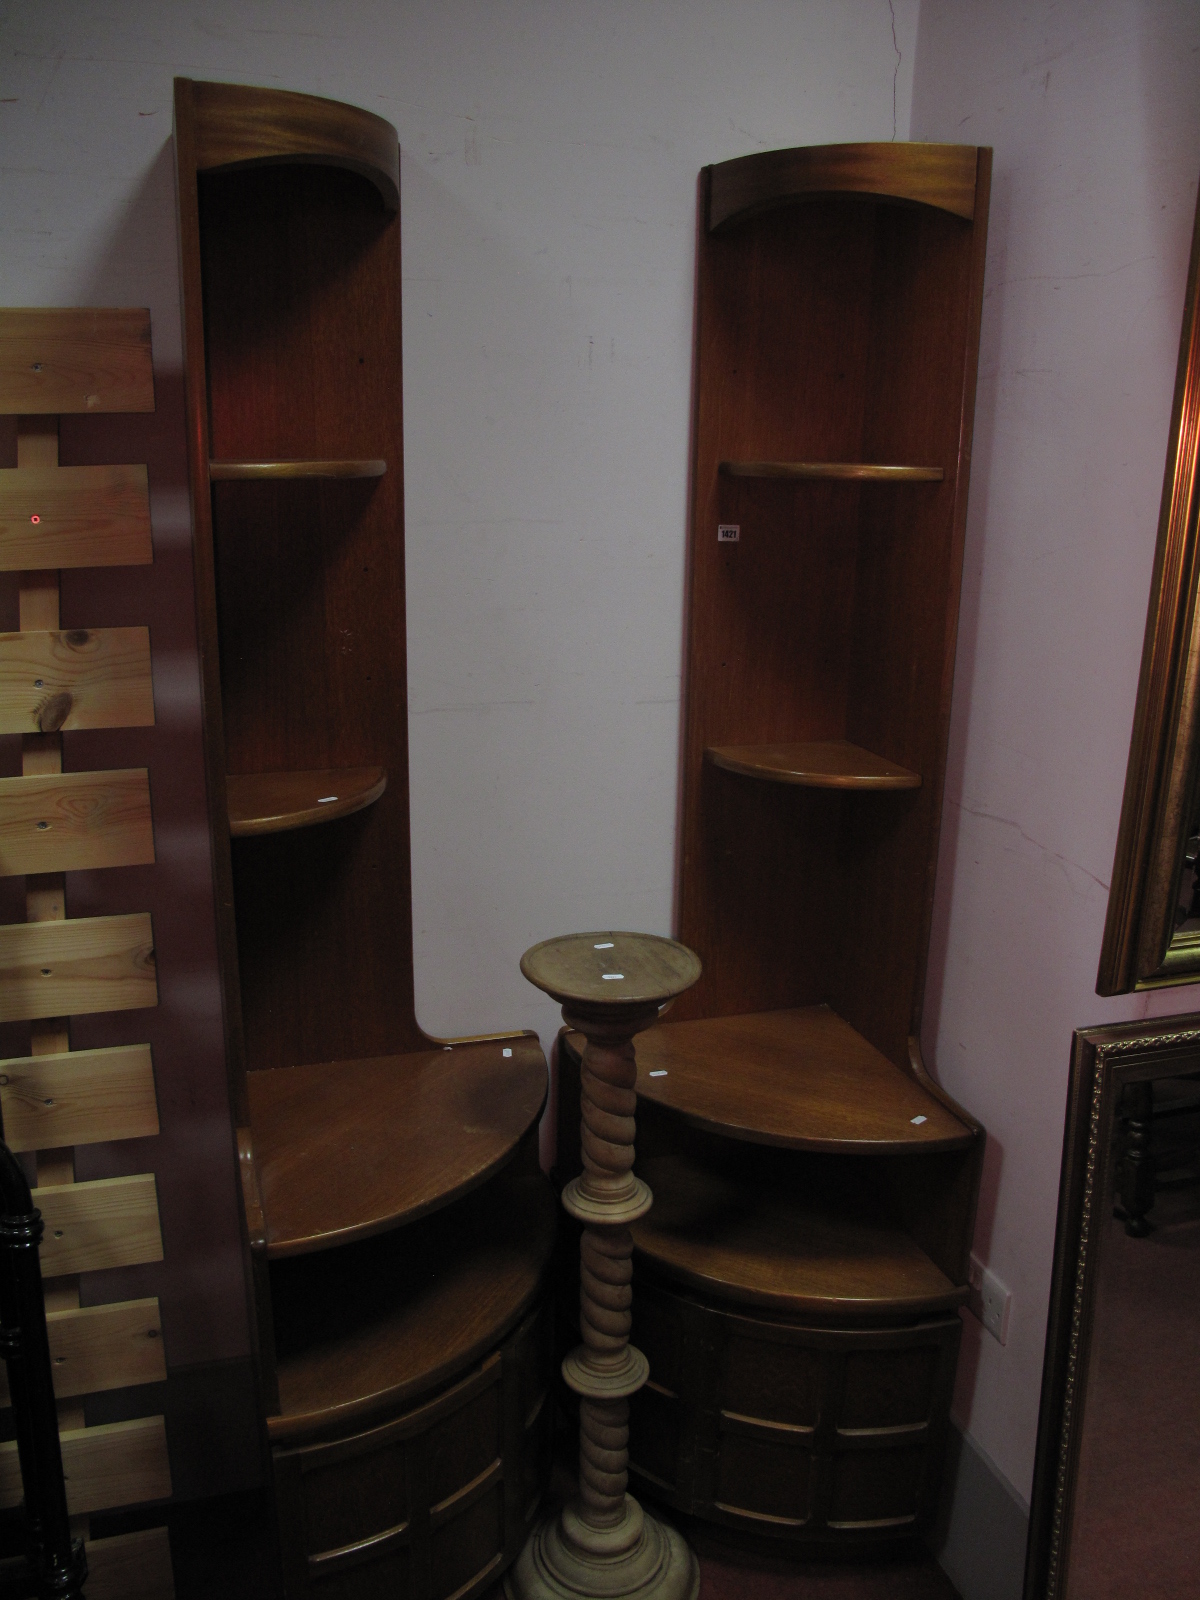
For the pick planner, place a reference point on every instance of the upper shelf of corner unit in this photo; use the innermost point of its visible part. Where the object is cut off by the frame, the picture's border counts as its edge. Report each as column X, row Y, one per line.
column 829, row 764
column 240, row 471
column 939, row 175
column 276, row 802
column 844, row 471
column 237, row 126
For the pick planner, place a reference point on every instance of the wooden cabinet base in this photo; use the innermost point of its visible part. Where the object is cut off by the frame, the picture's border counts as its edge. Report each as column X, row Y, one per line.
column 435, row 1501
column 816, row 1436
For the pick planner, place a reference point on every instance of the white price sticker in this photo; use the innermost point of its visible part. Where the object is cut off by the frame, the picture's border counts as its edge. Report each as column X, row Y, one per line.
column 729, row 532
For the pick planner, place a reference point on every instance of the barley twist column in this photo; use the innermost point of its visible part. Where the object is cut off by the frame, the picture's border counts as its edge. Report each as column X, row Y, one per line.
column 610, row 986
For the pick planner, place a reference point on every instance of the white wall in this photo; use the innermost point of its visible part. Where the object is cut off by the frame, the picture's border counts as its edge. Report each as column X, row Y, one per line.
column 1093, row 110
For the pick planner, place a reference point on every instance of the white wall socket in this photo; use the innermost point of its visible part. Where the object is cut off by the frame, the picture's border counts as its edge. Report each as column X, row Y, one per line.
column 990, row 1300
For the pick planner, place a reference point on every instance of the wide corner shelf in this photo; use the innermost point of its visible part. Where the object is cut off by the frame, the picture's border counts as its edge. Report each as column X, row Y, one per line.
column 801, row 1080
column 368, row 1328
column 348, row 1149
column 787, row 1250
column 840, row 471
column 245, row 471
column 816, row 764
column 276, row 802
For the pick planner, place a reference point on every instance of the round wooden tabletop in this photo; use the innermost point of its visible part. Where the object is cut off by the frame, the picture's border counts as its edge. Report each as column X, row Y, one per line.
column 619, row 969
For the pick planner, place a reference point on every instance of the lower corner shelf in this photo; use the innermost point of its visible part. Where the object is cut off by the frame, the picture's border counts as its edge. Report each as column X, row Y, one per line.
column 371, row 1327
column 812, row 1249
column 817, row 764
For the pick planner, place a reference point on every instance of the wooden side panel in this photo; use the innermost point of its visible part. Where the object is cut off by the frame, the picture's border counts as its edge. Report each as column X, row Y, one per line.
column 116, row 1464
column 112, row 1222
column 94, row 1348
column 133, row 1566
column 60, row 969
column 75, row 821
column 78, row 1097
column 87, row 678
column 74, row 517
column 75, row 360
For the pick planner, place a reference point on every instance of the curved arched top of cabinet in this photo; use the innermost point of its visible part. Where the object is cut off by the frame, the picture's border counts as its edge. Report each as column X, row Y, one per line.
column 348, row 1149
column 799, row 1080
column 938, row 175
column 238, row 126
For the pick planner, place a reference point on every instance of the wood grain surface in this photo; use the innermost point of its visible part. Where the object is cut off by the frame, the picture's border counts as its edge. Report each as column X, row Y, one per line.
column 131, row 1566
column 832, row 764
column 110, row 1222
column 85, row 678
column 236, row 125
column 350, row 1148
column 611, row 968
column 78, row 1097
column 787, row 1248
column 274, row 802
column 75, row 821
column 367, row 1328
column 802, row 1079
column 95, row 1348
column 74, row 517
column 115, row 1464
column 60, row 969
column 87, row 360
column 247, row 471
column 939, row 175
column 844, row 471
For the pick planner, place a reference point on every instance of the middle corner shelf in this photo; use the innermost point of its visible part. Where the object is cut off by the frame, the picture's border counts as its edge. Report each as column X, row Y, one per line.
column 814, row 764
column 249, row 471
column 838, row 471
column 277, row 802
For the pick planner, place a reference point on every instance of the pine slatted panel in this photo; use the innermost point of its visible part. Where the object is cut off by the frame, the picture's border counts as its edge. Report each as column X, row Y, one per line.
column 86, row 517
column 94, row 1348
column 115, row 1464
column 133, row 1566
column 75, row 360
column 75, row 822
column 58, row 969
column 110, row 1222
column 78, row 1097
column 85, row 678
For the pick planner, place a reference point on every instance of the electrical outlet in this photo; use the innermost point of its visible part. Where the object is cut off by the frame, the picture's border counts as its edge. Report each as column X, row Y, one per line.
column 990, row 1300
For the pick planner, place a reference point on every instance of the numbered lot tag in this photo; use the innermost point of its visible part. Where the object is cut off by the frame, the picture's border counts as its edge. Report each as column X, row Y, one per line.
column 729, row 532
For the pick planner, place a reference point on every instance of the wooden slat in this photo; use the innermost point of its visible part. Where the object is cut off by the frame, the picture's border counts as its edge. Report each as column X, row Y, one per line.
column 78, row 1097
column 75, row 822
column 86, row 678
column 75, row 360
column 112, row 1222
column 133, row 1566
column 60, row 969
column 74, row 517
column 116, row 1464
column 95, row 1348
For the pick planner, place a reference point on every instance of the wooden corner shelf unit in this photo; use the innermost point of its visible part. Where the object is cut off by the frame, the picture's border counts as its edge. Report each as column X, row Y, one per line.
column 399, row 1229
column 798, row 1279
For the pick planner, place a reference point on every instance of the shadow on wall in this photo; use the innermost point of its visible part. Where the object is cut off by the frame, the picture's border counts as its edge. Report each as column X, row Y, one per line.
column 200, row 1280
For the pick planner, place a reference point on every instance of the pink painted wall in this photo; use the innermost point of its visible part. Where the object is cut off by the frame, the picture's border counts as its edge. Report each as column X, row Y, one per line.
column 1093, row 111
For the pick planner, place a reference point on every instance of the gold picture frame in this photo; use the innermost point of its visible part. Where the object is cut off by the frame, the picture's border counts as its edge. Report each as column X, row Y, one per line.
column 1143, row 946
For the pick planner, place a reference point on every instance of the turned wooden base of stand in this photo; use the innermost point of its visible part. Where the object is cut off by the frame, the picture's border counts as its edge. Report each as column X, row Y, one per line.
column 637, row 1559
column 604, row 1546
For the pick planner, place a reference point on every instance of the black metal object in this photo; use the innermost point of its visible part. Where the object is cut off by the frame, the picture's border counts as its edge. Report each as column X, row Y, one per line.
column 57, row 1563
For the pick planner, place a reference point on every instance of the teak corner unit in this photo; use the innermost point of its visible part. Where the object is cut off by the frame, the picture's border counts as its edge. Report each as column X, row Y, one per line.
column 399, row 1228
column 799, row 1278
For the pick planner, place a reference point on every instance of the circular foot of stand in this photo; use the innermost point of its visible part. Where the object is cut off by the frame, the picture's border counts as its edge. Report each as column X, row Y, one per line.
column 642, row 1560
